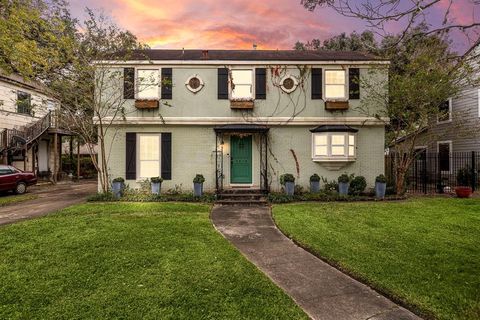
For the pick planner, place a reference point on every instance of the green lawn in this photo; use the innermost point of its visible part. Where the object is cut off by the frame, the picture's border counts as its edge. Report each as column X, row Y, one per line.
column 131, row 261
column 425, row 252
column 6, row 200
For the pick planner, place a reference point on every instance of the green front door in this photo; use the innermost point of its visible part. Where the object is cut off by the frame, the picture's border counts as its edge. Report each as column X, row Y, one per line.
column 241, row 159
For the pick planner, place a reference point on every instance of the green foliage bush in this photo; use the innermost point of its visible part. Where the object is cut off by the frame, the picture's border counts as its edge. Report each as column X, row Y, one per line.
column 119, row 179
column 287, row 177
column 344, row 178
column 199, row 178
column 156, row 180
column 314, row 177
column 139, row 196
column 381, row 178
column 357, row 185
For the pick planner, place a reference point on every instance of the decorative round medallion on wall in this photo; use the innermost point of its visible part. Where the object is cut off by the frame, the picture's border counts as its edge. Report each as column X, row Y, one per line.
column 194, row 83
column 289, row 83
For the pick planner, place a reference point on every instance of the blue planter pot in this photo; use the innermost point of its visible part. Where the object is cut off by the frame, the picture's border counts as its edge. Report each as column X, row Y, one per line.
column 197, row 189
column 117, row 189
column 156, row 186
column 314, row 186
column 290, row 188
column 380, row 188
column 343, row 188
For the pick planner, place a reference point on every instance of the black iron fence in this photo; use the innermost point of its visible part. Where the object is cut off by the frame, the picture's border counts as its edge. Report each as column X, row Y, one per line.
column 437, row 172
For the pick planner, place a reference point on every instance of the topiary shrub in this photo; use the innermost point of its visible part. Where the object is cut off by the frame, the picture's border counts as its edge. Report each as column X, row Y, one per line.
column 287, row 177
column 199, row 178
column 314, row 177
column 357, row 185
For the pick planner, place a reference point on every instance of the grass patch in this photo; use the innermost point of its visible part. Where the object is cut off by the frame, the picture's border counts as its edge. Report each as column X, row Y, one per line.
column 6, row 200
column 424, row 251
column 131, row 261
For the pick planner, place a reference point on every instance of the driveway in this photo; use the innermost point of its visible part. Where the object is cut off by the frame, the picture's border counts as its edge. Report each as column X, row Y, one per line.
column 321, row 290
column 50, row 198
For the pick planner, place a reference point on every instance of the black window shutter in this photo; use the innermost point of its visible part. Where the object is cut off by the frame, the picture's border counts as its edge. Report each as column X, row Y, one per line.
column 131, row 156
column 316, row 83
column 129, row 83
column 166, row 155
column 223, row 83
column 167, row 83
column 260, row 83
column 354, row 83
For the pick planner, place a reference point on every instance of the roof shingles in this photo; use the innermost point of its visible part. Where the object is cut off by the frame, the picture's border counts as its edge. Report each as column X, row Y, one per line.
column 247, row 55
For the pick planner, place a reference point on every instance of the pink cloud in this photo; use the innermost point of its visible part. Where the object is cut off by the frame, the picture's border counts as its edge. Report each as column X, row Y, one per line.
column 271, row 24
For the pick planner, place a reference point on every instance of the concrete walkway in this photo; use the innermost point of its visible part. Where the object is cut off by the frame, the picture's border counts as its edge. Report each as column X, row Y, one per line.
column 321, row 290
column 50, row 198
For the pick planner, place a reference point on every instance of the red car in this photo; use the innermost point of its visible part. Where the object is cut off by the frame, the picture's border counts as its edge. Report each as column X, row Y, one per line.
column 13, row 179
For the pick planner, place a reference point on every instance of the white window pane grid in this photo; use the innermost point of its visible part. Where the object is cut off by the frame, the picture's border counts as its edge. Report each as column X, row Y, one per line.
column 334, row 91
column 334, row 145
column 147, row 84
column 242, row 84
column 149, row 156
column 335, row 77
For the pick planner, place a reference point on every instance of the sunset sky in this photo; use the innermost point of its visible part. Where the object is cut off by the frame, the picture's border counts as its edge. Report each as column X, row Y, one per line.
column 237, row 24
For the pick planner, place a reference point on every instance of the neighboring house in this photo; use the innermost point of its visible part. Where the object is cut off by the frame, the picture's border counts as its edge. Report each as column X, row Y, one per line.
column 29, row 138
column 243, row 118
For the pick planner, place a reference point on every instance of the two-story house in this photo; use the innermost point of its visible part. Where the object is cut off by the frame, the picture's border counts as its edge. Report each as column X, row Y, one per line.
column 244, row 117
column 29, row 138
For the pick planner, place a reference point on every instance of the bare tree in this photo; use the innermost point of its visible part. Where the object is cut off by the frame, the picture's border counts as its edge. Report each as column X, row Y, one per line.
column 378, row 13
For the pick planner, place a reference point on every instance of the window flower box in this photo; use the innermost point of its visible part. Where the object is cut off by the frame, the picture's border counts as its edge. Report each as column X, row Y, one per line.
column 146, row 104
column 336, row 105
column 242, row 104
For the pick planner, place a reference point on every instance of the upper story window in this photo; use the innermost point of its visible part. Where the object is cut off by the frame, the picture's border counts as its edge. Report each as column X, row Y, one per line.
column 242, row 84
column 333, row 143
column 335, row 84
column 445, row 111
column 24, row 102
column 148, row 80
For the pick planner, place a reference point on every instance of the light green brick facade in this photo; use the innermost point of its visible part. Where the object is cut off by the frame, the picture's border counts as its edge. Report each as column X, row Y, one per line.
column 193, row 151
column 192, row 117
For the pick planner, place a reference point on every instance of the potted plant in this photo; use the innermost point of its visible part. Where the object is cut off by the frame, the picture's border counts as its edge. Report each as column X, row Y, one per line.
column 198, row 185
column 118, row 185
column 156, row 184
column 343, row 184
column 288, row 181
column 380, row 186
column 314, row 183
column 464, row 180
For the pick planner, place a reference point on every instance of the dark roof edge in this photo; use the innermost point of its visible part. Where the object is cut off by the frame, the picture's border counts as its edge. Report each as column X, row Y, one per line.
column 334, row 128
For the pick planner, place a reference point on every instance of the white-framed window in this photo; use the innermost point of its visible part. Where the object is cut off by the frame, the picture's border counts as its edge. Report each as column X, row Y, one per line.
column 148, row 81
column 444, row 149
column 242, row 84
column 445, row 111
column 333, row 146
column 335, row 84
column 148, row 155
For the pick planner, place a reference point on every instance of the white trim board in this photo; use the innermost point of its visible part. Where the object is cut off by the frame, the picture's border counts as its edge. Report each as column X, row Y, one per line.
column 240, row 62
column 279, row 121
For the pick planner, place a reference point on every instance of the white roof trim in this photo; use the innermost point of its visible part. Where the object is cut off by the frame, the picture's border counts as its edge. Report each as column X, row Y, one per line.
column 310, row 121
column 241, row 62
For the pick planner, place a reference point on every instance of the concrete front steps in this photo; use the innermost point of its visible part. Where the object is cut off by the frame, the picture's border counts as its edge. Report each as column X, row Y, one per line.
column 244, row 197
